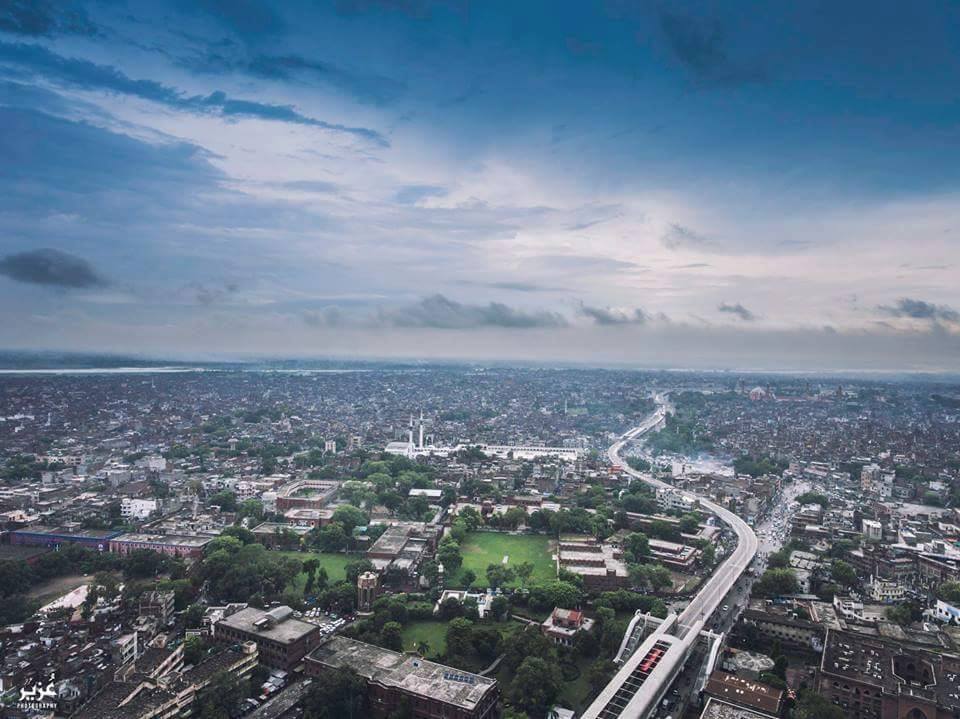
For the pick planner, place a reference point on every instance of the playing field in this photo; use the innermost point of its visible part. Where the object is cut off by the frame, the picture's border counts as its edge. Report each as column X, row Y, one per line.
column 481, row 549
column 334, row 563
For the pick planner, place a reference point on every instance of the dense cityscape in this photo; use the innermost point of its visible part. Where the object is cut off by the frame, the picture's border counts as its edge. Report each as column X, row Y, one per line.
column 456, row 541
column 445, row 359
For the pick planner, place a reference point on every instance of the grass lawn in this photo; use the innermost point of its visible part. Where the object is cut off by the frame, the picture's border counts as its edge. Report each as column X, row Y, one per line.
column 434, row 632
column 481, row 549
column 334, row 562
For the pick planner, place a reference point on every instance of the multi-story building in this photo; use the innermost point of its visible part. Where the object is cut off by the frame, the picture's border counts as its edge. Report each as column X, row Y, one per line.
column 137, row 508
column 157, row 604
column 429, row 690
column 306, row 494
column 282, row 640
column 54, row 537
column 601, row 565
column 873, row 678
column 173, row 545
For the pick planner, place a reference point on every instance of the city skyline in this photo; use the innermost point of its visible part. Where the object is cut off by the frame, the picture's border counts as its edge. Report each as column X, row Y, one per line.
column 764, row 188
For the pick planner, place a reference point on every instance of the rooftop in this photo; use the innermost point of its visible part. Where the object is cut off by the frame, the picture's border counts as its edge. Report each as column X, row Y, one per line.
column 279, row 627
column 407, row 672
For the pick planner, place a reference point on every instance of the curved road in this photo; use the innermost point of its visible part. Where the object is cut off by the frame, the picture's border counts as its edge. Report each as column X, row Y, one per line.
column 711, row 594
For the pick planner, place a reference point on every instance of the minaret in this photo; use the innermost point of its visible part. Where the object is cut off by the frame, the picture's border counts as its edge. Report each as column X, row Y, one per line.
column 421, row 430
column 410, row 430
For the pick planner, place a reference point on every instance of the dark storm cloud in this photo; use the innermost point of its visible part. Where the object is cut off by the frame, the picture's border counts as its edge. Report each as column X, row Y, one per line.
column 439, row 312
column 608, row 316
column 366, row 87
column 921, row 310
column 41, row 18
column 738, row 309
column 90, row 76
column 57, row 165
column 701, row 45
column 436, row 312
column 50, row 267
column 678, row 237
column 412, row 194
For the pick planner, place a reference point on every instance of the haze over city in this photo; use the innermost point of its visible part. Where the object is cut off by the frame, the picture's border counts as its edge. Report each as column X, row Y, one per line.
column 705, row 185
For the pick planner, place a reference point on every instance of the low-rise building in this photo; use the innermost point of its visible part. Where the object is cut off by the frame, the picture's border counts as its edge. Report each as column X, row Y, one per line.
column 563, row 625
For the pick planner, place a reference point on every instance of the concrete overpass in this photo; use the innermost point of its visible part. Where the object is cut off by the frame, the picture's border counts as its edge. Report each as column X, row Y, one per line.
column 649, row 669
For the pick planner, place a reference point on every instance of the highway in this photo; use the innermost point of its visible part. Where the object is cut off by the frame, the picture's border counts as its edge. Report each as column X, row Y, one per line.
column 634, row 691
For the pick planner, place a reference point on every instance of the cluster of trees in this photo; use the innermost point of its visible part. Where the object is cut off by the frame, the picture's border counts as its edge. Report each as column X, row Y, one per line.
column 758, row 466
column 240, row 570
column 776, row 582
column 814, row 498
column 17, row 578
column 338, row 534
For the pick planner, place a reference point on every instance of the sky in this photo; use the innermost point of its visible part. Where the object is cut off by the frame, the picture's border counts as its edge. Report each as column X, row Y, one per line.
column 705, row 184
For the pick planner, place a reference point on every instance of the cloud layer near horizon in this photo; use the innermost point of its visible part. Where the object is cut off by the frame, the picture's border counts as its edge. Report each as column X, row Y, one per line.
column 267, row 178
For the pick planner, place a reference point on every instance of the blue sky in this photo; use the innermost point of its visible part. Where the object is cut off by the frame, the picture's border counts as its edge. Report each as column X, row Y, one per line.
column 707, row 184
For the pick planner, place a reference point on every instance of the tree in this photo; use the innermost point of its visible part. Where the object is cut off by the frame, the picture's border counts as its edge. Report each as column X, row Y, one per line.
column 904, row 614
column 638, row 546
column 391, row 636
column 458, row 637
column 499, row 575
column 242, row 533
column 221, row 699
column 776, row 582
column 458, row 530
column 949, row 592
column 600, row 673
column 336, row 694
column 449, row 555
column 535, row 686
column 843, row 573
column 349, row 517
column 332, row 538
column 450, row 608
column 355, row 569
column 544, row 597
column 193, row 650
column 523, row 571
column 708, row 555
column 813, row 706
column 193, row 617
column 143, row 564
column 499, row 607
column 468, row 577
column 225, row 499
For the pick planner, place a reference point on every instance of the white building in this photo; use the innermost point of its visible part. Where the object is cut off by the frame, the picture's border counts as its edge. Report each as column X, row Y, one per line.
column 946, row 612
column 330, row 446
column 137, row 508
column 872, row 530
column 881, row 590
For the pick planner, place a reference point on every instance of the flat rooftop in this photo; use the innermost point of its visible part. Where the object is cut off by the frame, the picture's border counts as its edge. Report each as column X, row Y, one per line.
column 410, row 673
column 716, row 709
column 761, row 697
column 286, row 631
column 68, row 532
column 180, row 540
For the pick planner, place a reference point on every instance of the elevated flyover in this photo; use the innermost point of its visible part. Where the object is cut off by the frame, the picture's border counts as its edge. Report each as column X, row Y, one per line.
column 647, row 672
